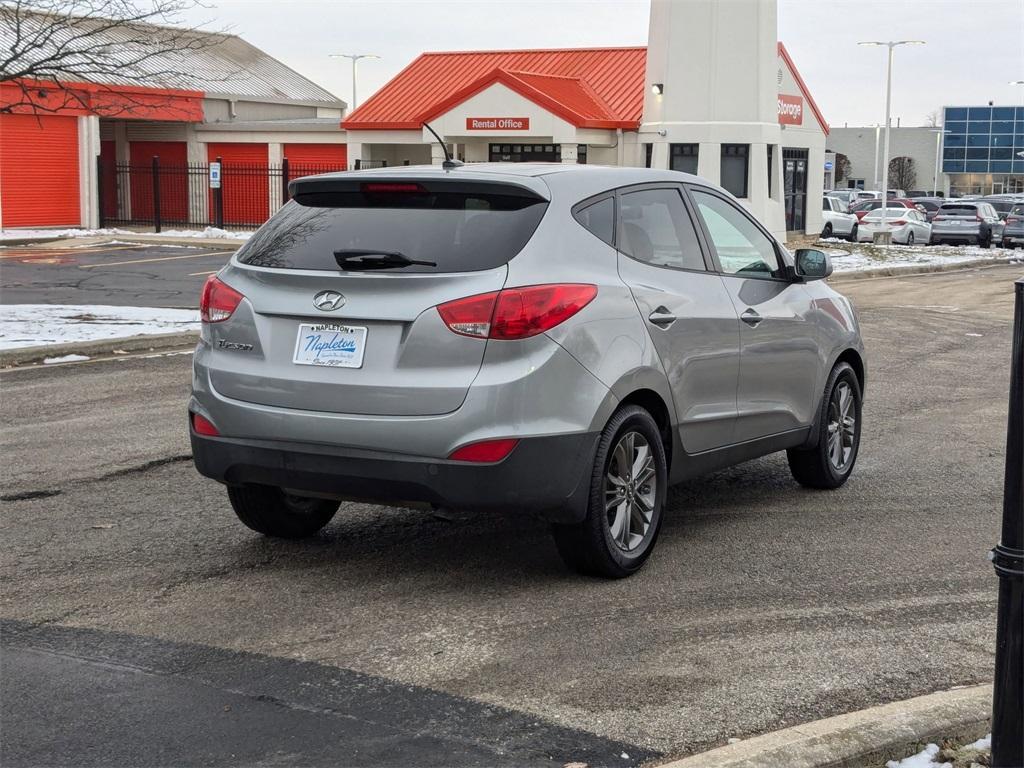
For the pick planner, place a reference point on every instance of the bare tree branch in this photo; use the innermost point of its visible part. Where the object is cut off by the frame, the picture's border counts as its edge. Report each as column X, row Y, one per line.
column 111, row 45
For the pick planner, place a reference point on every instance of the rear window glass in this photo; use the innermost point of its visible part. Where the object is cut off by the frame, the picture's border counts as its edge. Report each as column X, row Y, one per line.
column 959, row 210
column 1002, row 206
column 450, row 231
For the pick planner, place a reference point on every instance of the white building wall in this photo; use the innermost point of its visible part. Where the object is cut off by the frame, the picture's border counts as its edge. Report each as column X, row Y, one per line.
column 917, row 143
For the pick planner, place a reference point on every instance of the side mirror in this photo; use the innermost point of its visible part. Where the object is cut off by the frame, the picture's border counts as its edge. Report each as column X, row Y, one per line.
column 812, row 264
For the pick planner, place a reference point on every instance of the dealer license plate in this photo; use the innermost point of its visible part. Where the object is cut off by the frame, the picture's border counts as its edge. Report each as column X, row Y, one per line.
column 331, row 345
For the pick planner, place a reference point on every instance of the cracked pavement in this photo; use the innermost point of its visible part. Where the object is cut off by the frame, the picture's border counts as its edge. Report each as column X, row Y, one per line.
column 764, row 606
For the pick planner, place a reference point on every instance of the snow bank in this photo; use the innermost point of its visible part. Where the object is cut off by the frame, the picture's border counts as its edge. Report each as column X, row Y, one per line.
column 31, row 325
column 866, row 256
column 64, row 359
column 923, row 759
column 209, row 232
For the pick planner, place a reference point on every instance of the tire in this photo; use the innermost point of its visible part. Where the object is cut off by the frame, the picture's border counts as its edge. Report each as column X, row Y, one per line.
column 815, row 467
column 827, row 231
column 853, row 234
column 593, row 546
column 272, row 512
column 910, row 238
column 985, row 242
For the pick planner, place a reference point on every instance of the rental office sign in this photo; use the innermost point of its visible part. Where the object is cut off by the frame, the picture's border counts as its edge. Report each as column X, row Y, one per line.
column 497, row 123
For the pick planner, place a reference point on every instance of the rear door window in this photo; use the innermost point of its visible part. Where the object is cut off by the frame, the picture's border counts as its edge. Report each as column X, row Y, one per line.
column 657, row 229
column 446, row 230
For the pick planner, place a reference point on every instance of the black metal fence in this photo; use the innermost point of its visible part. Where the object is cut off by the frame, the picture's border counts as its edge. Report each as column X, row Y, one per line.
column 181, row 195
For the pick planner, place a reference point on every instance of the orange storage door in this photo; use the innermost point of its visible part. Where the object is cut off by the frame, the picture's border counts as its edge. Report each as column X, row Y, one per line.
column 245, row 183
column 39, row 171
column 310, row 159
column 173, row 178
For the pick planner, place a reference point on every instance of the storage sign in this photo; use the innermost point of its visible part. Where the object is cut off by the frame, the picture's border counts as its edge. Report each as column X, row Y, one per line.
column 791, row 110
column 497, row 123
column 214, row 175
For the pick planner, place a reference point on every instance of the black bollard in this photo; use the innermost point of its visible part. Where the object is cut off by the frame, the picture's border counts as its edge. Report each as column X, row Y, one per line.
column 1008, row 559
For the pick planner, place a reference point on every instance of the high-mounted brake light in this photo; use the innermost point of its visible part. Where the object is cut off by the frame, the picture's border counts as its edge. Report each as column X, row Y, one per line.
column 218, row 301
column 204, row 426
column 486, row 451
column 516, row 313
column 391, row 187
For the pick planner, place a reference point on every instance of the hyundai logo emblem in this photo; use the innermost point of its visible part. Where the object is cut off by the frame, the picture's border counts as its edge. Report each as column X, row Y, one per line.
column 325, row 301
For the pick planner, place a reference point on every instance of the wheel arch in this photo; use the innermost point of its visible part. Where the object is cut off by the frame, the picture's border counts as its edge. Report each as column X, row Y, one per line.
column 652, row 402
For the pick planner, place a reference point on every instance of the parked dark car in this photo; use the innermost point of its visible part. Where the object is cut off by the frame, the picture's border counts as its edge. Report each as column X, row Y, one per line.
column 971, row 222
column 862, row 209
column 1001, row 204
column 1013, row 227
column 930, row 205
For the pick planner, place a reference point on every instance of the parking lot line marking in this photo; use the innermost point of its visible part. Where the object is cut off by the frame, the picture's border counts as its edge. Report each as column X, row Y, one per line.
column 211, row 272
column 156, row 258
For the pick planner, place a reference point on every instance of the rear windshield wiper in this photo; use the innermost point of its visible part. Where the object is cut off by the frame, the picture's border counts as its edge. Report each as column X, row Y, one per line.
column 356, row 259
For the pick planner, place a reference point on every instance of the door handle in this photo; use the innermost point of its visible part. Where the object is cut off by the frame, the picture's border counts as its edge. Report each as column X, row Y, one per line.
column 661, row 317
column 751, row 318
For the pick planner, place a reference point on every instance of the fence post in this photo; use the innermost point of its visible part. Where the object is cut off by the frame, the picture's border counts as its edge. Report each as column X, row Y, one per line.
column 1008, row 559
column 358, row 163
column 284, row 180
column 156, row 193
column 218, row 199
column 99, row 192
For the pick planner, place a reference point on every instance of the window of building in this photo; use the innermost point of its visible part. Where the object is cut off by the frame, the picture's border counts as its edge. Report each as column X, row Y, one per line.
column 648, row 151
column 742, row 248
column 599, row 219
column 657, row 229
column 683, row 157
column 771, row 187
column 734, row 168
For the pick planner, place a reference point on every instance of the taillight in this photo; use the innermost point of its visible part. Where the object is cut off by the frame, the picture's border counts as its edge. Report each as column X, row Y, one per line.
column 979, row 217
column 485, row 450
column 516, row 313
column 218, row 301
column 1012, row 220
column 204, row 426
column 900, row 222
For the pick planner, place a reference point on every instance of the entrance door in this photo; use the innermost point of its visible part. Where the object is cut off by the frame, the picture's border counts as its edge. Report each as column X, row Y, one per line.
column 794, row 183
column 687, row 310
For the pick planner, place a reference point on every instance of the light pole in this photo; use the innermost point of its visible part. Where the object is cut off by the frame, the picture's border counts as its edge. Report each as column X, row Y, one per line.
column 935, row 177
column 354, row 57
column 1017, row 82
column 876, row 182
column 883, row 235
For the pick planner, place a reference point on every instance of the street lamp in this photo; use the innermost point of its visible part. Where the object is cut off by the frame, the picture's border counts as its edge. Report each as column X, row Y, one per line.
column 354, row 57
column 935, row 177
column 1016, row 82
column 884, row 234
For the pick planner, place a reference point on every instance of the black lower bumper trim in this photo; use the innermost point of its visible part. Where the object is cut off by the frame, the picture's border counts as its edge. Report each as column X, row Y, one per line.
column 544, row 475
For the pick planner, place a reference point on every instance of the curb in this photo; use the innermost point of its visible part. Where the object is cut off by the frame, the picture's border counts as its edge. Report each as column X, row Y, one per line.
column 155, row 342
column 860, row 739
column 923, row 269
column 146, row 239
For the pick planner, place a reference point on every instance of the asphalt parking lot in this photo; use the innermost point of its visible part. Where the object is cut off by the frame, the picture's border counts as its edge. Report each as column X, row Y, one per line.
column 143, row 623
column 116, row 273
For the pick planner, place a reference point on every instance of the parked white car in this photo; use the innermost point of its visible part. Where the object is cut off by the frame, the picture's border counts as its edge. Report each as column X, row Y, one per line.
column 838, row 223
column 908, row 226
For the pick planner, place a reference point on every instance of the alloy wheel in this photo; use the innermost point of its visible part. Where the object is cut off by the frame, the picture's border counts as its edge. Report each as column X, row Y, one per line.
column 842, row 426
column 630, row 490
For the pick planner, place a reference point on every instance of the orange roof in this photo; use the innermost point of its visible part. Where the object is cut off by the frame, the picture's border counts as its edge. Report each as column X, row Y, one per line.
column 589, row 87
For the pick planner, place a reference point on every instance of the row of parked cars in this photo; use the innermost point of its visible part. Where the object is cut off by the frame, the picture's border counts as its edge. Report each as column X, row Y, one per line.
column 858, row 214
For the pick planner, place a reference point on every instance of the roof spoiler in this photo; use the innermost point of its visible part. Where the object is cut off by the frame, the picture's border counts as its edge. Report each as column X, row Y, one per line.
column 317, row 190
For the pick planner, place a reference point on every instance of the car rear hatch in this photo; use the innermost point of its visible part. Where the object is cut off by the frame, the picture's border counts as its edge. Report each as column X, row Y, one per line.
column 340, row 288
column 956, row 219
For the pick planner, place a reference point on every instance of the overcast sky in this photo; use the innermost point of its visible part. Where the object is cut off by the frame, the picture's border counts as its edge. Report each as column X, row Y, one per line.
column 974, row 47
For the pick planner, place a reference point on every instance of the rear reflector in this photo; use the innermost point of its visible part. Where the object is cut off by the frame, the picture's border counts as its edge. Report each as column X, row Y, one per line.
column 217, row 301
column 204, row 426
column 485, row 451
column 516, row 313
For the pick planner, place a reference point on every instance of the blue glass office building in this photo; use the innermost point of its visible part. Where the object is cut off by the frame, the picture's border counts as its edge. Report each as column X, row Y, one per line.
column 983, row 149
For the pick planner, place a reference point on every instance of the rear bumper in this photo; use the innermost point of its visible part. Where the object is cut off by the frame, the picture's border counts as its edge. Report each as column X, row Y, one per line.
column 544, row 475
column 957, row 235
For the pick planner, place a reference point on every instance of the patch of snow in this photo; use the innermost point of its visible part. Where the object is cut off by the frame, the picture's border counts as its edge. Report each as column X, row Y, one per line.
column 923, row 759
column 980, row 744
column 861, row 257
column 32, row 325
column 64, row 359
column 209, row 232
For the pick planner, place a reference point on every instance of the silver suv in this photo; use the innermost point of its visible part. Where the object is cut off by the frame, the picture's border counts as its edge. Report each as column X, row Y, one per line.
column 566, row 341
